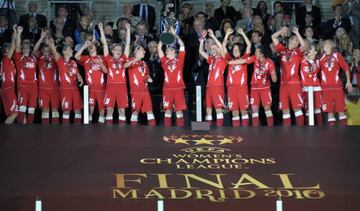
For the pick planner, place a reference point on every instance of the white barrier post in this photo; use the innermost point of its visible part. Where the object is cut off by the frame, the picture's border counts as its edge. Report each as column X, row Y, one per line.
column 198, row 104
column 311, row 105
column 38, row 205
column 279, row 205
column 86, row 104
column 160, row 205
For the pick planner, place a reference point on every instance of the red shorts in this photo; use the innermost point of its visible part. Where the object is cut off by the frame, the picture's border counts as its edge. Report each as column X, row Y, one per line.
column 317, row 100
column 215, row 97
column 97, row 97
column 116, row 93
column 49, row 97
column 238, row 98
column 70, row 99
column 262, row 96
column 27, row 96
column 333, row 100
column 174, row 99
column 141, row 102
column 9, row 100
column 291, row 94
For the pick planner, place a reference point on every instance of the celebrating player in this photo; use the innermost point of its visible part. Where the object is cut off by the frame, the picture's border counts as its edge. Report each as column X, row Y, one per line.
column 139, row 78
column 237, row 80
column 8, row 73
column 27, row 87
column 333, row 95
column 48, row 81
column 173, row 91
column 215, row 83
column 68, row 74
column 116, row 89
column 94, row 74
column 290, row 87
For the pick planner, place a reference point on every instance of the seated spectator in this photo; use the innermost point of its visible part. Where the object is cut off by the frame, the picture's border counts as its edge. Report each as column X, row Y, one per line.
column 84, row 26
column 32, row 9
column 308, row 8
column 339, row 21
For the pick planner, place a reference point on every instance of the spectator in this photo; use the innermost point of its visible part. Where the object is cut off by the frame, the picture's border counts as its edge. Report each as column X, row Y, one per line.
column 141, row 35
column 69, row 25
column 309, row 22
column 226, row 11
column 127, row 13
column 262, row 11
column 210, row 22
column 309, row 35
column 146, row 13
column 225, row 25
column 5, row 32
column 308, row 8
column 247, row 19
column 339, row 21
column 32, row 32
column 351, row 10
column 7, row 9
column 58, row 31
column 355, row 68
column 32, row 9
column 84, row 26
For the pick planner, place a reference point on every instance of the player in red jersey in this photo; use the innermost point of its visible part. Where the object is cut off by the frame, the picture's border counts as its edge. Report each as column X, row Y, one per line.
column 215, row 84
column 7, row 75
column 260, row 85
column 173, row 90
column 290, row 87
column 237, row 79
column 95, row 68
column 68, row 74
column 309, row 71
column 116, row 89
column 138, row 79
column 333, row 95
column 48, row 80
column 27, row 87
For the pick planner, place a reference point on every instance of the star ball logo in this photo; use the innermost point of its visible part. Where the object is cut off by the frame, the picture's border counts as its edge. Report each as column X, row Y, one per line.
column 206, row 152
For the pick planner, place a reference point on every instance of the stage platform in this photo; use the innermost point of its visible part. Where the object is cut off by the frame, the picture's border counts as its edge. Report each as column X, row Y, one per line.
column 108, row 168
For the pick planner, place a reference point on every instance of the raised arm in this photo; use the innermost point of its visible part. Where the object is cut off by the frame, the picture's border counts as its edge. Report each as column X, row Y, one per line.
column 80, row 79
column 18, row 38
column 247, row 41
column 295, row 30
column 237, row 61
column 103, row 39
column 160, row 51
column 226, row 39
column 218, row 43
column 276, row 35
column 128, row 40
column 81, row 50
column 129, row 63
column 201, row 49
column 12, row 45
column 38, row 43
column 51, row 44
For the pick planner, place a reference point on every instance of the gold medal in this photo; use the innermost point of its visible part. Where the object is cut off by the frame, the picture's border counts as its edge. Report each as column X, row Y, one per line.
column 90, row 71
column 310, row 75
column 117, row 71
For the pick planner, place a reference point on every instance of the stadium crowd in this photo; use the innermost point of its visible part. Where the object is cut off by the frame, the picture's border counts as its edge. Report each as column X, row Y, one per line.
column 255, row 68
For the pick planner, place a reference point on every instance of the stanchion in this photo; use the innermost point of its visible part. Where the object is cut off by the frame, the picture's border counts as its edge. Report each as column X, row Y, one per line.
column 160, row 205
column 279, row 204
column 38, row 204
column 86, row 104
column 311, row 105
column 199, row 125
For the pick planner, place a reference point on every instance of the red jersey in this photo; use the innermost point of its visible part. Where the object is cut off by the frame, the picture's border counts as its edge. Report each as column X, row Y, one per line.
column 262, row 70
column 26, row 69
column 330, row 66
column 138, row 75
column 309, row 76
column 237, row 74
column 48, row 75
column 173, row 71
column 216, row 71
column 290, row 62
column 67, row 73
column 116, row 70
column 7, row 72
column 93, row 71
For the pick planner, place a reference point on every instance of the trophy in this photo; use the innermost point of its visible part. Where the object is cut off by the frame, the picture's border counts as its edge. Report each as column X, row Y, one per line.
column 166, row 36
